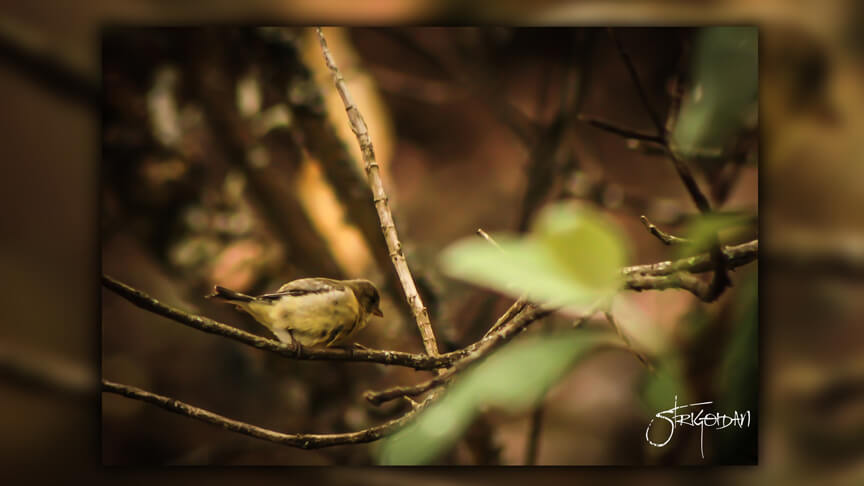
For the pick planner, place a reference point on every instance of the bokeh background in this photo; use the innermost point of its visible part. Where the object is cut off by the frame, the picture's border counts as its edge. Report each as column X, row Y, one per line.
column 221, row 165
column 810, row 99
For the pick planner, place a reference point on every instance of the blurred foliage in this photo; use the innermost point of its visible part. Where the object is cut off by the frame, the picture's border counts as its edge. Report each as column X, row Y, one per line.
column 659, row 389
column 723, row 91
column 737, row 382
column 514, row 378
column 571, row 257
column 702, row 230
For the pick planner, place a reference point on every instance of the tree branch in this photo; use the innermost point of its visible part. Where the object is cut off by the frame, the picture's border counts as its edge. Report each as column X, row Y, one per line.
column 358, row 126
column 303, row 441
column 322, row 141
column 736, row 256
column 294, row 351
column 625, row 132
column 656, row 276
column 41, row 371
column 468, row 356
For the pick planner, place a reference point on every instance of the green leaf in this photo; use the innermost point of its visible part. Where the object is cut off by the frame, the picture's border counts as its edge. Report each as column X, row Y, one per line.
column 572, row 258
column 584, row 243
column 723, row 93
column 513, row 378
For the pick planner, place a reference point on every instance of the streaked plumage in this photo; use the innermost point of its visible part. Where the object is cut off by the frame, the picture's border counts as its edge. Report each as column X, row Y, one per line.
column 312, row 311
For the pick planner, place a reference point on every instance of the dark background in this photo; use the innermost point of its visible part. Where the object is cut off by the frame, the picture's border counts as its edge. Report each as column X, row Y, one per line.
column 810, row 114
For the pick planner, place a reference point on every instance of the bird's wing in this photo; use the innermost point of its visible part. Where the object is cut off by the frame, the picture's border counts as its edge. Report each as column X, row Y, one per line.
column 306, row 286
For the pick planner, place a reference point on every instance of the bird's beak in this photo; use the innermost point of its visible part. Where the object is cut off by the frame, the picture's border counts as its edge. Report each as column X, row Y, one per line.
column 378, row 312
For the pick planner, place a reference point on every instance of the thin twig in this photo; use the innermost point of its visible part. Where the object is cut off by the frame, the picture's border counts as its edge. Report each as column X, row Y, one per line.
column 689, row 181
column 488, row 238
column 322, row 141
column 627, row 342
column 664, row 237
column 517, row 306
column 623, row 131
column 514, row 309
column 303, row 441
column 294, row 351
column 358, row 126
column 643, row 94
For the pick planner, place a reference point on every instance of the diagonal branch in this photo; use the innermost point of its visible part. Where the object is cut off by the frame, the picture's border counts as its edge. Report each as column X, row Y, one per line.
column 45, row 372
column 303, row 441
column 490, row 342
column 294, row 351
column 481, row 349
column 322, row 141
column 51, row 63
column 623, row 131
column 640, row 88
column 626, row 340
column 666, row 238
column 358, row 126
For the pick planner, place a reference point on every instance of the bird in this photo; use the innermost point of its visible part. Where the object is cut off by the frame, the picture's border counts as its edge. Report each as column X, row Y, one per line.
column 310, row 311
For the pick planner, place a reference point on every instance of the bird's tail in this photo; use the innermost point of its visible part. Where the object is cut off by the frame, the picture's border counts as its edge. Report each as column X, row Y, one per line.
column 229, row 295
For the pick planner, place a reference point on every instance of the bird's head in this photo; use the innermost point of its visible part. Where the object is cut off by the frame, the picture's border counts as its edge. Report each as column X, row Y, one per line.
column 367, row 295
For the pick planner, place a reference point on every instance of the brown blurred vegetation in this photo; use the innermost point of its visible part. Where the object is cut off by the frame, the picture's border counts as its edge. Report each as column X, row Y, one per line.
column 811, row 113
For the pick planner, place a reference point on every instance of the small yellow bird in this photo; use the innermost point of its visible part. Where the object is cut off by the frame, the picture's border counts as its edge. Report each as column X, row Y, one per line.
column 311, row 311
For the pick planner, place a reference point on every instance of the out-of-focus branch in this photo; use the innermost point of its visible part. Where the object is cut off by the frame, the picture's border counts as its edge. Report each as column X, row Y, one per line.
column 468, row 356
column 358, row 126
column 303, row 441
column 639, row 355
column 40, row 371
column 634, row 76
column 818, row 253
column 623, row 131
column 295, row 351
column 51, row 64
column 534, row 430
